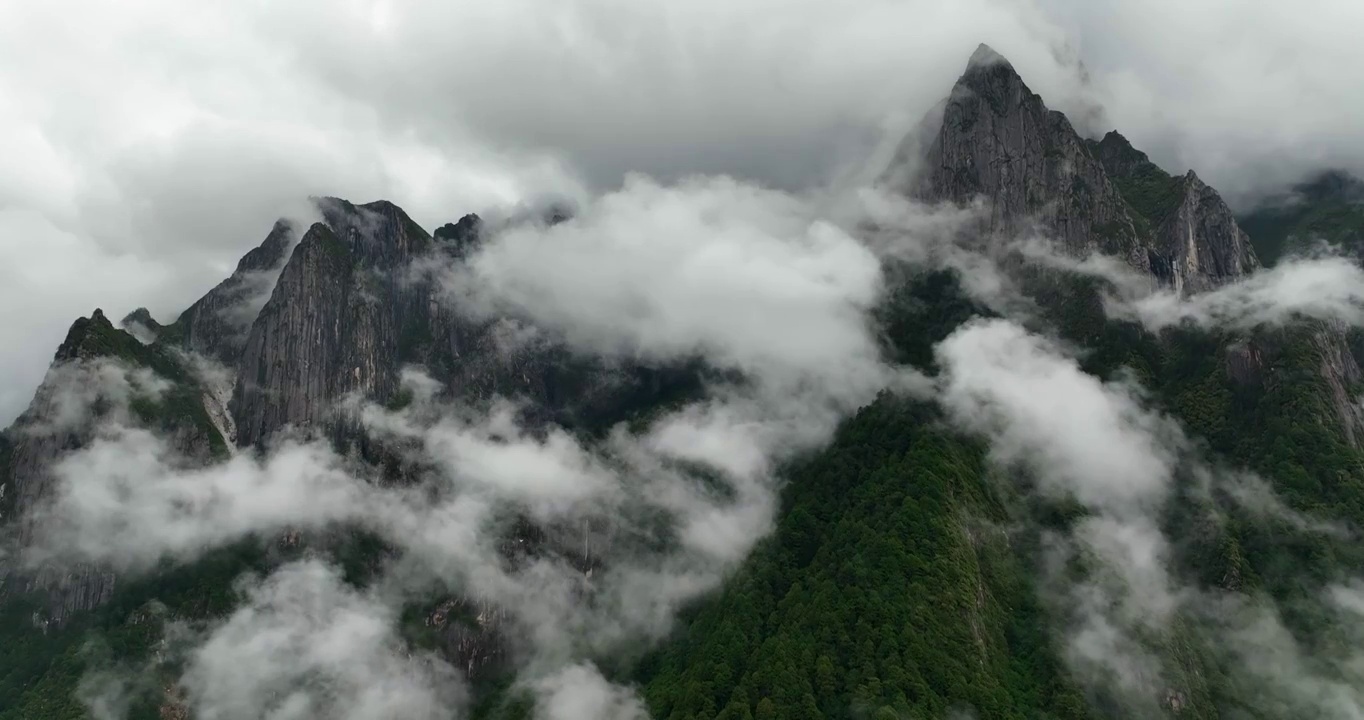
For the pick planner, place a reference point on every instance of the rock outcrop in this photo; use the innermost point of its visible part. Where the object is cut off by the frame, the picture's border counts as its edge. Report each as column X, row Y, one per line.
column 218, row 323
column 1191, row 229
column 998, row 141
column 329, row 328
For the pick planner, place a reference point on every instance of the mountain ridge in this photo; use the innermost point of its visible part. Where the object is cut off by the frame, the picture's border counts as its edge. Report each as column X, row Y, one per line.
column 897, row 582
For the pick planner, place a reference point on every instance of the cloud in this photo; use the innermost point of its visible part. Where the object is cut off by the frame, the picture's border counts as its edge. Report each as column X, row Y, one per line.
column 142, row 183
column 1196, row 86
column 1097, row 442
column 750, row 279
column 1328, row 288
column 1322, row 286
column 75, row 393
column 305, row 645
column 579, row 692
column 634, row 525
column 664, row 514
column 128, row 499
column 1281, row 673
column 1103, row 444
column 1084, row 437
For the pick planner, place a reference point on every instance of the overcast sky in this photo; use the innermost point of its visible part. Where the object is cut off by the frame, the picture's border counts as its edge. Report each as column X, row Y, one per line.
column 148, row 143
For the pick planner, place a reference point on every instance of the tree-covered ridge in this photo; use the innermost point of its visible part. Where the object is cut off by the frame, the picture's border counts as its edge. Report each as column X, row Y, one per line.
column 1329, row 208
column 1149, row 190
column 890, row 589
column 180, row 407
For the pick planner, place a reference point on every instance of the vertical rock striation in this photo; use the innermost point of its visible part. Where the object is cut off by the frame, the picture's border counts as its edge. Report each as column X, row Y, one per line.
column 998, row 141
column 337, row 321
column 217, row 324
column 1188, row 225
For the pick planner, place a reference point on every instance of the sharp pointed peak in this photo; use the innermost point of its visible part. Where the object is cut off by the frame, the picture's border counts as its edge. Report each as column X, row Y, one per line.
column 990, row 75
column 1113, row 137
column 986, row 56
column 89, row 336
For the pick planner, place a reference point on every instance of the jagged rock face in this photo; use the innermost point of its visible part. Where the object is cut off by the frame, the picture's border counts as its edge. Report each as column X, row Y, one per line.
column 1192, row 230
column 330, row 327
column 470, row 633
column 217, row 325
column 348, row 312
column 1205, row 246
column 1340, row 370
column 142, row 325
column 345, row 314
column 999, row 141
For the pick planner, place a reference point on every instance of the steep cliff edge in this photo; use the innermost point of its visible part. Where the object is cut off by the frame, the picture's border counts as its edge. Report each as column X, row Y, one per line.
column 217, row 324
column 1325, row 212
column 999, row 141
column 318, row 322
column 1189, row 226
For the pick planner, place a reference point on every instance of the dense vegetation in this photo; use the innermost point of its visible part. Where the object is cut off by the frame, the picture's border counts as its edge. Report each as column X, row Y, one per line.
column 889, row 590
column 1147, row 188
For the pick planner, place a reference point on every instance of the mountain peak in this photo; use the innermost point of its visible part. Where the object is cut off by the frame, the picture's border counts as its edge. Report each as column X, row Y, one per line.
column 992, row 76
column 92, row 336
column 379, row 233
column 997, row 140
column 1118, row 142
column 985, row 56
column 1119, row 157
column 142, row 316
column 1332, row 185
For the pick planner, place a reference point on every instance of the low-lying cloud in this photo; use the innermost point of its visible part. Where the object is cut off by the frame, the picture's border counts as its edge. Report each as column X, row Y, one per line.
column 749, row 279
column 1103, row 445
column 306, row 645
column 1091, row 439
column 633, row 525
